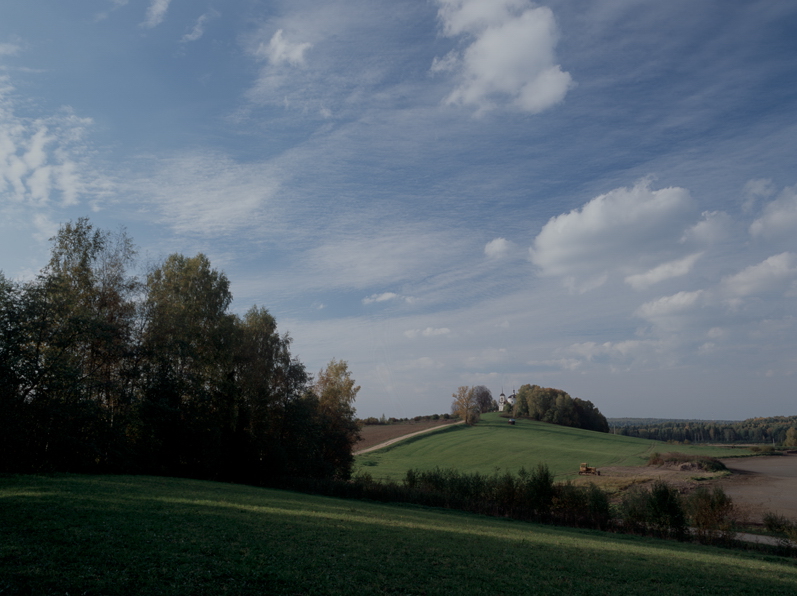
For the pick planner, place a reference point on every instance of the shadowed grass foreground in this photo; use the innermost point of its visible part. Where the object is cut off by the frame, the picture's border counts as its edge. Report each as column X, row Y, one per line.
column 143, row 535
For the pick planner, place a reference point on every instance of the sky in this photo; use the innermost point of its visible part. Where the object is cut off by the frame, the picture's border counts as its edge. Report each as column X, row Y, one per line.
column 595, row 196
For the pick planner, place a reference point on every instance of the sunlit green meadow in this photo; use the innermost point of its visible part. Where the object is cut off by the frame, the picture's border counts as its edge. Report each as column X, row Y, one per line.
column 142, row 535
column 494, row 445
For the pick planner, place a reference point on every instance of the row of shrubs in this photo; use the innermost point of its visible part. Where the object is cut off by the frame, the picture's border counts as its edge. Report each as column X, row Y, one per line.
column 659, row 510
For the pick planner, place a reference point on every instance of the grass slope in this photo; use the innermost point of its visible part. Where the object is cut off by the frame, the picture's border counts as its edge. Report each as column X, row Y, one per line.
column 141, row 535
column 493, row 443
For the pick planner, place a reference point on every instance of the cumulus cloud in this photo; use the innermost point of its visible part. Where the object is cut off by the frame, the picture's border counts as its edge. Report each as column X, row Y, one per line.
column 428, row 332
column 612, row 231
column 773, row 274
column 498, row 248
column 664, row 271
column 760, row 188
column 281, row 51
column 510, row 58
column 156, row 13
column 779, row 217
column 714, row 227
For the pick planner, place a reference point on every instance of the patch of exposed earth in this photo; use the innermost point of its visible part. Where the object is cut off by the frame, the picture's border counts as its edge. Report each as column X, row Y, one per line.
column 375, row 436
column 763, row 484
column 757, row 485
column 684, row 477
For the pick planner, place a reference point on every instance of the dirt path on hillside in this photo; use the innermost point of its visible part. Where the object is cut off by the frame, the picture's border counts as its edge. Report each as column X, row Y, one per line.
column 403, row 436
column 763, row 484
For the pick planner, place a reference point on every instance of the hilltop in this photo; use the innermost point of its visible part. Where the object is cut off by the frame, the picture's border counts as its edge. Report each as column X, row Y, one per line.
column 493, row 445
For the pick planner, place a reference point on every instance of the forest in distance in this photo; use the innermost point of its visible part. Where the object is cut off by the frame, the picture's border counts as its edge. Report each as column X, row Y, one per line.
column 779, row 430
column 102, row 372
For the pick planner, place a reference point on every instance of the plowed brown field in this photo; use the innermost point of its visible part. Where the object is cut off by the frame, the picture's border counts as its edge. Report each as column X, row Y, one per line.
column 376, row 434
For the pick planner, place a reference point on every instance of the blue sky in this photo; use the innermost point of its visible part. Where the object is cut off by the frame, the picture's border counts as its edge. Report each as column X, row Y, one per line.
column 594, row 196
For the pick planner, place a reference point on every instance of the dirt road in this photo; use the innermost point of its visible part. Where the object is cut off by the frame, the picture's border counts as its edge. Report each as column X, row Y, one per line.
column 401, row 438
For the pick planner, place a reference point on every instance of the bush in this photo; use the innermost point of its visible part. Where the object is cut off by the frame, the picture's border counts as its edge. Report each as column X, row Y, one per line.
column 763, row 449
column 634, row 510
column 777, row 524
column 711, row 514
column 665, row 511
column 658, row 510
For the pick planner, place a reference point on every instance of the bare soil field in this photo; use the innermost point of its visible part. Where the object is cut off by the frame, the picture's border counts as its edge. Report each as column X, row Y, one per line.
column 376, row 434
column 757, row 485
column 616, row 479
column 763, row 484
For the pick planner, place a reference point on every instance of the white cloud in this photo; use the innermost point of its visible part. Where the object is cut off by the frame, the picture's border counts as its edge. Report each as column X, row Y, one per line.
column 428, row 332
column 378, row 257
column 209, row 194
column 498, row 248
column 8, row 49
column 773, row 274
column 618, row 229
column 42, row 160
column 280, row 51
column 677, row 268
column 779, row 218
column 760, row 188
column 199, row 27
column 487, row 357
column 156, row 13
column 380, row 297
column 714, row 227
column 44, row 226
column 116, row 5
column 510, row 58
column 676, row 304
column 569, row 364
column 608, row 352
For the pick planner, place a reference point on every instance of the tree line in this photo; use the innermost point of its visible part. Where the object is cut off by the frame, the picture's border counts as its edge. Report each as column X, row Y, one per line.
column 103, row 371
column 557, row 407
column 775, row 430
column 545, row 404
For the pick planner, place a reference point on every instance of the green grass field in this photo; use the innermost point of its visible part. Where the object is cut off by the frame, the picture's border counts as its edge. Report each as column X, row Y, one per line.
column 127, row 535
column 494, row 444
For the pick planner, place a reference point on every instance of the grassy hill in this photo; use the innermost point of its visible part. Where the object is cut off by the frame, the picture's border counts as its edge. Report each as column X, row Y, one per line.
column 122, row 535
column 493, row 443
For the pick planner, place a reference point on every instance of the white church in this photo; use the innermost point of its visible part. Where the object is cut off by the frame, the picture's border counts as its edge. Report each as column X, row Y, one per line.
column 503, row 400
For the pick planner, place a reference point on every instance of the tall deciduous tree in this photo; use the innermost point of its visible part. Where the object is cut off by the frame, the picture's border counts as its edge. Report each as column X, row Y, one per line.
column 336, row 391
column 465, row 405
column 484, row 398
column 189, row 344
